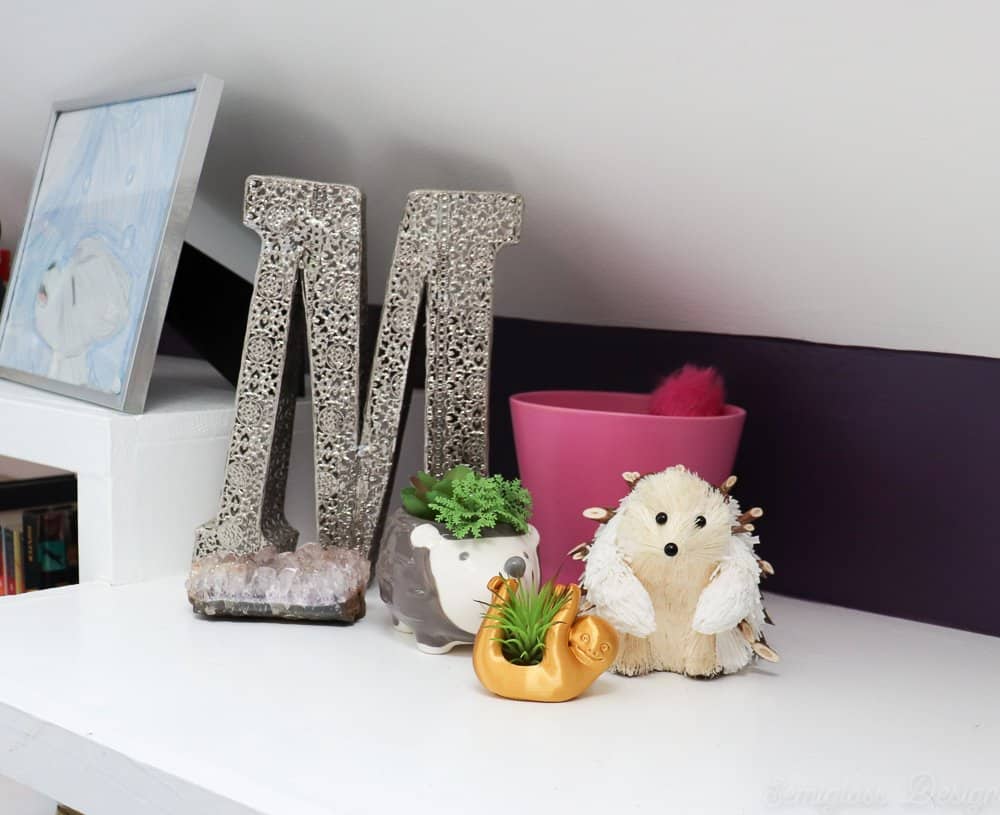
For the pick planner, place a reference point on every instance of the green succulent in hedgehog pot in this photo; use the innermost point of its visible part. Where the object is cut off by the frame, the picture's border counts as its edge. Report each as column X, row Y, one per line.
column 453, row 533
column 469, row 504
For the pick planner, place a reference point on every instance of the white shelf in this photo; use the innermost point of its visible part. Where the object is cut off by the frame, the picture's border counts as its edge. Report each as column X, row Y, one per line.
column 118, row 700
column 43, row 427
column 143, row 481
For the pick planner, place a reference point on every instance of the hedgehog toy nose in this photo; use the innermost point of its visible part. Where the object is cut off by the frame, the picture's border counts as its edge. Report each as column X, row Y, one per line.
column 515, row 567
column 670, row 549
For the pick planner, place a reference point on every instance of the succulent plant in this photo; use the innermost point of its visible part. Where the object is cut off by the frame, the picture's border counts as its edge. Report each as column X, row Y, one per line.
column 425, row 489
column 467, row 503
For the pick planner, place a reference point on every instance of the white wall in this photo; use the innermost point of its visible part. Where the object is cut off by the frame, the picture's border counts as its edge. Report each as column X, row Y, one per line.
column 18, row 800
column 825, row 170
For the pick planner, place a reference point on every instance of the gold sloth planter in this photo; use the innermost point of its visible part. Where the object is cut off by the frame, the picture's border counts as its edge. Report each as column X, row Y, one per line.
column 577, row 651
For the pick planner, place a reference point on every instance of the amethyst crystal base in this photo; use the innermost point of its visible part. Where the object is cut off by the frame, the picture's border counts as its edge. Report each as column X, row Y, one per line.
column 311, row 583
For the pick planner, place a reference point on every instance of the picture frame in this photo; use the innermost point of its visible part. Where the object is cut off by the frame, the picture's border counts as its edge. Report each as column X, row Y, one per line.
column 92, row 275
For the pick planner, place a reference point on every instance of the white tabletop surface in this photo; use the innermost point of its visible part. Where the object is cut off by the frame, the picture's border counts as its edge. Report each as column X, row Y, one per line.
column 119, row 701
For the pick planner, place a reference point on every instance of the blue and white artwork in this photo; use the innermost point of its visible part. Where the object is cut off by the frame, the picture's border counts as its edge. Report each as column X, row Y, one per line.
column 88, row 252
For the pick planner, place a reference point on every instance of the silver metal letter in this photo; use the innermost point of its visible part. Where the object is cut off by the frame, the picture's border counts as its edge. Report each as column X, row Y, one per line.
column 246, row 562
column 447, row 246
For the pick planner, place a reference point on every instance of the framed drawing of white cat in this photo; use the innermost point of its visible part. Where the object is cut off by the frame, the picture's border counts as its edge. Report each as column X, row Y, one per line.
column 96, row 261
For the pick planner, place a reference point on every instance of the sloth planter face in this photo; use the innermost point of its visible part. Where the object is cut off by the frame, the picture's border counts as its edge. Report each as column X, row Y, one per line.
column 436, row 585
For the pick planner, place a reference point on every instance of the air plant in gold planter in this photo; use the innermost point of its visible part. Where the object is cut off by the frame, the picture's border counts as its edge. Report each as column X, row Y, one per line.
column 532, row 645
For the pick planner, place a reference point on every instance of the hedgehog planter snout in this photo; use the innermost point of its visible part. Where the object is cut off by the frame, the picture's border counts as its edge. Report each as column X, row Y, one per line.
column 515, row 567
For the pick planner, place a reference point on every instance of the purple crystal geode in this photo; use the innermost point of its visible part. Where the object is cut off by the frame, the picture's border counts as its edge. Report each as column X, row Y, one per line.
column 311, row 583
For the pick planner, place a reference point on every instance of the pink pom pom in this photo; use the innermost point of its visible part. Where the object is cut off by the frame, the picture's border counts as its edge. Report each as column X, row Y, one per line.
column 690, row 391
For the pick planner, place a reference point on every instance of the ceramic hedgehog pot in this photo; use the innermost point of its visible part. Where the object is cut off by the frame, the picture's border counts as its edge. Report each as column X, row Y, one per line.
column 436, row 585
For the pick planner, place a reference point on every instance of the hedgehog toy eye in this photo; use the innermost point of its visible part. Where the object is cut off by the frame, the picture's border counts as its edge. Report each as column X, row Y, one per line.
column 700, row 521
column 661, row 518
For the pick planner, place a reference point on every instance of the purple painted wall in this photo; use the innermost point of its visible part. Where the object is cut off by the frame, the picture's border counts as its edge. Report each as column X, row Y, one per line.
column 876, row 469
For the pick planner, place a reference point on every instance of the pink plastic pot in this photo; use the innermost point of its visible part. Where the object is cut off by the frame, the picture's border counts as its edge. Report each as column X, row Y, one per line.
column 573, row 446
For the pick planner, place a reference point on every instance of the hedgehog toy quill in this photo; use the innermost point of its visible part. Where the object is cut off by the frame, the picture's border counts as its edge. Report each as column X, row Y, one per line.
column 673, row 568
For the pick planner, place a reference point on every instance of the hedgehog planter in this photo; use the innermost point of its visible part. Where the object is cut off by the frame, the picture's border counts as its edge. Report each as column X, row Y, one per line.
column 436, row 585
column 673, row 568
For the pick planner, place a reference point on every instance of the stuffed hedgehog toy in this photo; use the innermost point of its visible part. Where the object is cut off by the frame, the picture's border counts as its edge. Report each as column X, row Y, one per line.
column 674, row 570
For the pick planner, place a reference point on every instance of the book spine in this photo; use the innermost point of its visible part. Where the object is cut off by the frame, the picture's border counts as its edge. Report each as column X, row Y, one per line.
column 18, row 563
column 8, row 561
column 73, row 548
column 53, row 545
column 3, row 562
column 30, row 531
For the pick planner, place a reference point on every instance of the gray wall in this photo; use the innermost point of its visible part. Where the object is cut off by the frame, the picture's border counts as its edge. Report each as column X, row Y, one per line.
column 823, row 170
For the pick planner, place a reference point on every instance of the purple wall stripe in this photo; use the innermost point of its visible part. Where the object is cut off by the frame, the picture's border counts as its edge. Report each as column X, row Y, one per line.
column 876, row 469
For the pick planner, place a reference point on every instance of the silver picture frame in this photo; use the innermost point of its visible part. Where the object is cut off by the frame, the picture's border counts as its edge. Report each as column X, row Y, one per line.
column 131, row 396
